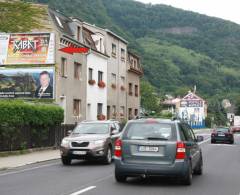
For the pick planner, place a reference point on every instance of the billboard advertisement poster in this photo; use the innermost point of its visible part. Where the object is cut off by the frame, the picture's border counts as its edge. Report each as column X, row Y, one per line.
column 37, row 83
column 27, row 48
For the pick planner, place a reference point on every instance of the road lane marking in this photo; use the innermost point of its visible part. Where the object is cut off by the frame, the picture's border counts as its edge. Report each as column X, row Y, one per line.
column 228, row 145
column 83, row 190
column 204, row 141
column 28, row 169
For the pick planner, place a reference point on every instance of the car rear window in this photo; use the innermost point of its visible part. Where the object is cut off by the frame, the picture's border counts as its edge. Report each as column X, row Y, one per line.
column 223, row 129
column 149, row 131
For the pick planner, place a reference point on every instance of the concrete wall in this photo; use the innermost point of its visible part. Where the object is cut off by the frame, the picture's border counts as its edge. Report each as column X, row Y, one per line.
column 68, row 88
column 133, row 101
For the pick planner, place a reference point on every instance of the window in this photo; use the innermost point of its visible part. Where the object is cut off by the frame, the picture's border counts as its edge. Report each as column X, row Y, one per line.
column 76, row 107
column 135, row 64
column 122, row 81
column 91, row 128
column 59, row 21
column 114, row 79
column 188, row 133
column 99, row 108
column 130, row 113
column 100, row 76
column 122, row 54
column 145, row 131
column 136, row 90
column 78, row 33
column 63, row 67
column 181, row 131
column 122, row 111
column 77, row 70
column 114, row 49
column 114, row 111
column 136, row 112
column 131, row 61
column 130, row 88
column 101, row 49
column 108, row 112
column 90, row 74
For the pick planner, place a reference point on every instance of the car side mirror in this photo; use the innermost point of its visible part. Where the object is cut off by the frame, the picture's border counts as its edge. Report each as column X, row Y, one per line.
column 69, row 132
column 200, row 138
column 114, row 132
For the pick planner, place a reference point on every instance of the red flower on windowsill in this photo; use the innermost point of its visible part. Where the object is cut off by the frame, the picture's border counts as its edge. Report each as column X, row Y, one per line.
column 91, row 82
column 113, row 86
column 101, row 84
column 101, row 117
column 122, row 88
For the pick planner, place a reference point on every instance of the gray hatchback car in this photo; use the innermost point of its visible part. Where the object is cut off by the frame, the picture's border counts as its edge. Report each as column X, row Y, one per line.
column 158, row 147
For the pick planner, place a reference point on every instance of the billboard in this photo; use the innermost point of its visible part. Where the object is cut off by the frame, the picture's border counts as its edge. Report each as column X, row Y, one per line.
column 191, row 103
column 27, row 83
column 27, row 48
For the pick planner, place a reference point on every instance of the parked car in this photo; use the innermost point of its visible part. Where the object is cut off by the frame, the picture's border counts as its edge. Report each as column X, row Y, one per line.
column 222, row 134
column 93, row 140
column 158, row 147
column 235, row 129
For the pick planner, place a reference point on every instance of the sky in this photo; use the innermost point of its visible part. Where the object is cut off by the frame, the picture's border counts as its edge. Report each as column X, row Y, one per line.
column 226, row 9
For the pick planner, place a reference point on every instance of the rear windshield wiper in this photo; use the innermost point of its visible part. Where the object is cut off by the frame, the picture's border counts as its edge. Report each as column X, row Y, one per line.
column 156, row 138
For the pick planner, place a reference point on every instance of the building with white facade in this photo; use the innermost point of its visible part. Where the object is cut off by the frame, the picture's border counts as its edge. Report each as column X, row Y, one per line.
column 97, row 91
column 193, row 109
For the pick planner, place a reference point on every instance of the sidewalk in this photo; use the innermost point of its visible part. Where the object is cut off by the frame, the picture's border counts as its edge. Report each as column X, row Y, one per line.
column 25, row 159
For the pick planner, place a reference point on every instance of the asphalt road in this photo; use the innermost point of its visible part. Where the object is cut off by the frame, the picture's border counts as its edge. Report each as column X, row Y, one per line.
column 221, row 177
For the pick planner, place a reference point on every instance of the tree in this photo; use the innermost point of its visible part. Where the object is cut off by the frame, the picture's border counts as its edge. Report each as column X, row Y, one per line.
column 217, row 111
column 149, row 97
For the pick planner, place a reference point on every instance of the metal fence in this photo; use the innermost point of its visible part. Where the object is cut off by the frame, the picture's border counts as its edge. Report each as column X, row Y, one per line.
column 20, row 138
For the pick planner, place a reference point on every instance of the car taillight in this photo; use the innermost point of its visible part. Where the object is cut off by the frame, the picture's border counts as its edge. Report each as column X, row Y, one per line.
column 213, row 134
column 118, row 148
column 181, row 150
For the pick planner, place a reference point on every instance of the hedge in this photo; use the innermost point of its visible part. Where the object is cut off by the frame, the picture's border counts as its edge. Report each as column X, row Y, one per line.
column 27, row 125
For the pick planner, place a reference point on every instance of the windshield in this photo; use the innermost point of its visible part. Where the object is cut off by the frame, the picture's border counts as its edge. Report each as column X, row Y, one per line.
column 222, row 129
column 91, row 129
column 148, row 131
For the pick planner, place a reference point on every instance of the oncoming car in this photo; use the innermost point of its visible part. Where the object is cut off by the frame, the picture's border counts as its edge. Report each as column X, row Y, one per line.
column 92, row 140
column 158, row 147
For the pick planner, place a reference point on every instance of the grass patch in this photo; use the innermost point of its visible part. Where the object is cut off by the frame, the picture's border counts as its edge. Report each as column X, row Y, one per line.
column 17, row 16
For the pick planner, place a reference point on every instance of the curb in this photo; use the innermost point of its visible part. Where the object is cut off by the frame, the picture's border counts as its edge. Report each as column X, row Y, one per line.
column 41, row 161
column 27, row 151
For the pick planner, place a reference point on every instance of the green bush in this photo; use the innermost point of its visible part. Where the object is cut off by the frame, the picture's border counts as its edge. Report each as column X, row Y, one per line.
column 26, row 125
column 18, row 113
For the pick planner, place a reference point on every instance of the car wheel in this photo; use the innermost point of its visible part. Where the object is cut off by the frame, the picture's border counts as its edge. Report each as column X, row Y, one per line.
column 188, row 177
column 108, row 156
column 66, row 160
column 212, row 142
column 120, row 177
column 232, row 142
column 199, row 169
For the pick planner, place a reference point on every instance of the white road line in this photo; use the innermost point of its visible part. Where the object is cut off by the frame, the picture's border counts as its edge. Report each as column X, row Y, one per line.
column 204, row 141
column 83, row 190
column 29, row 169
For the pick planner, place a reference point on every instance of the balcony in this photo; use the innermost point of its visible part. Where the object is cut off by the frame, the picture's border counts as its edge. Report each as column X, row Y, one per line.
column 137, row 69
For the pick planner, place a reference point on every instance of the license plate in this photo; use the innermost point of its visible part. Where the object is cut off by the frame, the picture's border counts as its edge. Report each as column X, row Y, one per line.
column 148, row 149
column 221, row 135
column 79, row 152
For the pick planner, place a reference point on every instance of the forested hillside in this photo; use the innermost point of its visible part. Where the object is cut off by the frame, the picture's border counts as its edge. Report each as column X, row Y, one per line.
column 179, row 48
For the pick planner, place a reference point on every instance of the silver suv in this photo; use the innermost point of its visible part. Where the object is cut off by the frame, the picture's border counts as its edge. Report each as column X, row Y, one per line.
column 93, row 140
column 158, row 147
